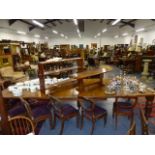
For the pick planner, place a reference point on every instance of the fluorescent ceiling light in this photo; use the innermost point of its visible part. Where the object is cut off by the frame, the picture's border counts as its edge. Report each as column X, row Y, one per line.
column 95, row 36
column 124, row 34
column 116, row 36
column 139, row 30
column 98, row 34
column 37, row 36
column 116, row 21
column 78, row 31
column 21, row 32
column 46, row 38
column 66, row 37
column 75, row 21
column 79, row 35
column 55, row 32
column 104, row 30
column 62, row 35
column 38, row 23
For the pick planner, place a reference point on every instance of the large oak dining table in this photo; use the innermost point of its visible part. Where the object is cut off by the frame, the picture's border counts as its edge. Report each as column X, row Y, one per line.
column 92, row 88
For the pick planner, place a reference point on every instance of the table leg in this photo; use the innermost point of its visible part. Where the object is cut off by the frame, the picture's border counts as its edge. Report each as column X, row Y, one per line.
column 4, row 116
column 101, row 79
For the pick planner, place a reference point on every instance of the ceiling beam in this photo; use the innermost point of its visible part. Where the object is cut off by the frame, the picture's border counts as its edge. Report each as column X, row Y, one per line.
column 51, row 21
column 26, row 22
column 102, row 20
column 129, row 23
column 60, row 21
column 53, row 24
column 109, row 21
column 67, row 20
column 45, row 23
column 12, row 21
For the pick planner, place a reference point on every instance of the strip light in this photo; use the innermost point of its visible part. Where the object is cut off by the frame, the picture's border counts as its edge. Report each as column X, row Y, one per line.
column 104, row 30
column 78, row 31
column 62, row 35
column 37, row 23
column 98, row 34
column 37, row 36
column 55, row 32
column 46, row 38
column 124, row 34
column 116, row 36
column 21, row 32
column 116, row 21
column 139, row 30
column 75, row 21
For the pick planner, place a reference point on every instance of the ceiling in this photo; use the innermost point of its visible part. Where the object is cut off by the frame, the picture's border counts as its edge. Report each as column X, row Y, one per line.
column 87, row 27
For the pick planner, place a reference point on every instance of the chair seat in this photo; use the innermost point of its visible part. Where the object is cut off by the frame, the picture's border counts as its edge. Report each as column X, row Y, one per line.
column 67, row 110
column 128, row 104
column 35, row 103
column 125, row 107
column 152, row 114
column 17, row 110
column 40, row 111
column 98, row 111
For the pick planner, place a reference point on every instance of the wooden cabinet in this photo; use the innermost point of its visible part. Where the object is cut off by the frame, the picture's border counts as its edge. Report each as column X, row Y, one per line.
column 60, row 68
column 7, row 50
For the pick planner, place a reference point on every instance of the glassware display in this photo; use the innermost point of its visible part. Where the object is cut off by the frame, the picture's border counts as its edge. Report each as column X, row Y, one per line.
column 125, row 84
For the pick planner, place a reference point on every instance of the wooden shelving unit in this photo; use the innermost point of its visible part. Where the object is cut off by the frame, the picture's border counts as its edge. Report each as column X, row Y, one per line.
column 60, row 70
column 43, row 72
column 7, row 51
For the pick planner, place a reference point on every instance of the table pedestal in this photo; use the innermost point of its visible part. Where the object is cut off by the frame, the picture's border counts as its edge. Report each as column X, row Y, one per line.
column 145, row 72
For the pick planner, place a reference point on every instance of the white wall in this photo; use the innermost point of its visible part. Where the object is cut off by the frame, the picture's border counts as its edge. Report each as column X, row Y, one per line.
column 88, row 41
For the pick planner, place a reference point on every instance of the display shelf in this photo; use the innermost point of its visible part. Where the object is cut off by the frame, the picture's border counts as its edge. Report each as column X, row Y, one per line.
column 57, row 67
column 60, row 70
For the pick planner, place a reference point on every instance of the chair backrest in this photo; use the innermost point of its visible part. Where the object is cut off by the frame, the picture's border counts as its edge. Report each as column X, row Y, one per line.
column 27, row 107
column 150, row 104
column 86, row 104
column 56, row 103
column 21, row 125
column 126, row 99
column 132, row 129
column 144, row 123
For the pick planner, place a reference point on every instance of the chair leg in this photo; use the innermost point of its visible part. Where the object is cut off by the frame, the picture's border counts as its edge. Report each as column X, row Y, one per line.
column 81, row 124
column 54, row 122
column 116, row 121
column 113, row 111
column 93, row 126
column 105, row 119
column 51, row 122
column 62, row 127
column 77, row 121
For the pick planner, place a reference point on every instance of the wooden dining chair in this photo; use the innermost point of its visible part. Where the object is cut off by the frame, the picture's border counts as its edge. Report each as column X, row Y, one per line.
column 144, row 123
column 21, row 125
column 150, row 106
column 124, row 106
column 63, row 112
column 91, row 111
column 38, row 113
column 132, row 129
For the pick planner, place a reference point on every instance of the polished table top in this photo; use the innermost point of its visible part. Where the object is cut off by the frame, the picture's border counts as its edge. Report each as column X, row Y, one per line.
column 72, row 92
column 92, row 72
